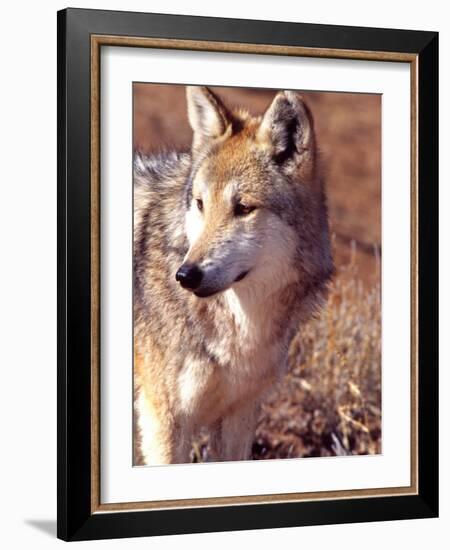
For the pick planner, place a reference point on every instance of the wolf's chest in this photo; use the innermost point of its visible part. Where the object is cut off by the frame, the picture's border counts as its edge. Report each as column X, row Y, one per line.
column 208, row 389
column 241, row 360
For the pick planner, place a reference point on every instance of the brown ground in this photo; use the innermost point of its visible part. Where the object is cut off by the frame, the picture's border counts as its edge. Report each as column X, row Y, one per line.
column 330, row 401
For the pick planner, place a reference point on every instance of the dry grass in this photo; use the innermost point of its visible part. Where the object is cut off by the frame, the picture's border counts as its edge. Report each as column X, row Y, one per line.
column 330, row 401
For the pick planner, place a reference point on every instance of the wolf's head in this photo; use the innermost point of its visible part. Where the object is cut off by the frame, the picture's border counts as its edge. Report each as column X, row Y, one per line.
column 256, row 212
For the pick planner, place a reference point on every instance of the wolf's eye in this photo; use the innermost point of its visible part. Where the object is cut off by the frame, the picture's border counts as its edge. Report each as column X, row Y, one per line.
column 243, row 209
column 199, row 204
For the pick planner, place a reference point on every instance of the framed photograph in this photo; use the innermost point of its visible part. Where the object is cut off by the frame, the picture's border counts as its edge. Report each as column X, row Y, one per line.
column 247, row 256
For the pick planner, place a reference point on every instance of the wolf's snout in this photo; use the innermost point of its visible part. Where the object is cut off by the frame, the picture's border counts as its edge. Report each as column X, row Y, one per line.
column 189, row 276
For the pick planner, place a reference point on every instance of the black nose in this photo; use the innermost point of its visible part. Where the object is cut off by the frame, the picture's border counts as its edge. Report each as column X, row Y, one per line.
column 189, row 276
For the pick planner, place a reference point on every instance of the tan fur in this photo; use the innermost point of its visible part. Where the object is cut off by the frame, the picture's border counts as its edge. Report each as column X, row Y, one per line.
column 206, row 357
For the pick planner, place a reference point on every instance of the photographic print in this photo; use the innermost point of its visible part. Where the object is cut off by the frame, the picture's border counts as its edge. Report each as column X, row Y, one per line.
column 257, row 274
column 247, row 267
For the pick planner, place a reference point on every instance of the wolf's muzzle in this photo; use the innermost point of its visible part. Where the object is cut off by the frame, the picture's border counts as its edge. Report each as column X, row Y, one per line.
column 189, row 276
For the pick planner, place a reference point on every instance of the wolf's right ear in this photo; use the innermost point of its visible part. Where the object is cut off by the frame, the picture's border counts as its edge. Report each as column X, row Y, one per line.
column 287, row 131
column 208, row 117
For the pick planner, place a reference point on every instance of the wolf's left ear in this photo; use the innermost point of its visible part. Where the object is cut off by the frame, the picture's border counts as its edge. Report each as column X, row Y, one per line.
column 287, row 129
column 208, row 117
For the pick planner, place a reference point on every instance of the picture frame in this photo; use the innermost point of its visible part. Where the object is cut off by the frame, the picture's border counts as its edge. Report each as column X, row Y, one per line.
column 81, row 36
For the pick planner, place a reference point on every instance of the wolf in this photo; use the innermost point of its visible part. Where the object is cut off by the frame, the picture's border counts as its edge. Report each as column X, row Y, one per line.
column 231, row 255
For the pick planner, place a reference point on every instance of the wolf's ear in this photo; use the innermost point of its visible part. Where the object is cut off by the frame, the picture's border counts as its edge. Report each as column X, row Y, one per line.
column 208, row 117
column 287, row 129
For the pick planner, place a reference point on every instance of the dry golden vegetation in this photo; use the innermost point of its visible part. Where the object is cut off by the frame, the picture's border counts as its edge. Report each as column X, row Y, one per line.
column 330, row 401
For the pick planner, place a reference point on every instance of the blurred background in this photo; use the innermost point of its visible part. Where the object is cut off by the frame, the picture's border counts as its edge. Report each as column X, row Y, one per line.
column 330, row 401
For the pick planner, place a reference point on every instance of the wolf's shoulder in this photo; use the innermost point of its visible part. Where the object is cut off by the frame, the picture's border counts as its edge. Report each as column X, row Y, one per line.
column 159, row 199
column 159, row 185
column 161, row 170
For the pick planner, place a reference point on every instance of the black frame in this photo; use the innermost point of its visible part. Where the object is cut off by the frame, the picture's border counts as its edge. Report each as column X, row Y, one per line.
column 75, row 521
